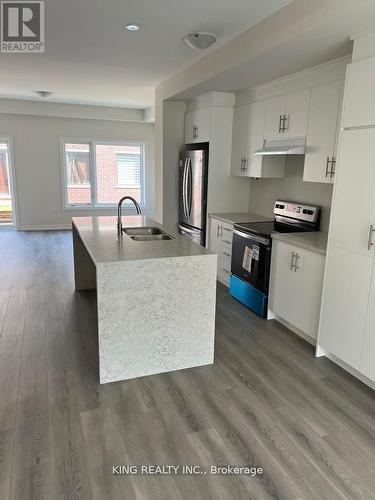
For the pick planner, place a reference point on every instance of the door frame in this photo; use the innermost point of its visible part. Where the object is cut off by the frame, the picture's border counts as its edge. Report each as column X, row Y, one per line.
column 12, row 181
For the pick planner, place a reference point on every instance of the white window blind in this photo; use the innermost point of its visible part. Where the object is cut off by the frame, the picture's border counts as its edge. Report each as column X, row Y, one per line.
column 129, row 169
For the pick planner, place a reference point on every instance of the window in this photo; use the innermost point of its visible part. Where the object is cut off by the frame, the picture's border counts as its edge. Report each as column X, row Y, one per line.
column 6, row 206
column 4, row 176
column 98, row 174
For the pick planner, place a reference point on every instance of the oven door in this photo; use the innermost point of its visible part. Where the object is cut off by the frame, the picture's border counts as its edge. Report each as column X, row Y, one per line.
column 251, row 259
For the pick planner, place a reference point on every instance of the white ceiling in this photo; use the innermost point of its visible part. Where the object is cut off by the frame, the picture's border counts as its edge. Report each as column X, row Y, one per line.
column 303, row 34
column 91, row 59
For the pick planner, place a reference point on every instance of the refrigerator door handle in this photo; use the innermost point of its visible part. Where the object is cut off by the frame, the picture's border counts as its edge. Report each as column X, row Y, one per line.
column 184, row 186
column 189, row 186
column 190, row 231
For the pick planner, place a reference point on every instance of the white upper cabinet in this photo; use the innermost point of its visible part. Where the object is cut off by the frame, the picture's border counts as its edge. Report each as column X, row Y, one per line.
column 254, row 165
column 286, row 115
column 354, row 203
column 275, row 111
column 248, row 136
column 359, row 107
column 322, row 131
column 197, row 126
column 189, row 121
column 240, row 137
column 296, row 113
column 312, row 113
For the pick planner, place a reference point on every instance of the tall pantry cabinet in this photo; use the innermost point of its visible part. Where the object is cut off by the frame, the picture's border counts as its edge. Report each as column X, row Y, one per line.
column 347, row 322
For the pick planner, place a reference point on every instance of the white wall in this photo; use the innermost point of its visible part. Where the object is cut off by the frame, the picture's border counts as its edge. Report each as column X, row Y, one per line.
column 173, row 138
column 226, row 193
column 37, row 163
column 264, row 192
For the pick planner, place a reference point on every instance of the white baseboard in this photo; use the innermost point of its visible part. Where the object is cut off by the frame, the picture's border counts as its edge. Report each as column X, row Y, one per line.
column 332, row 357
column 49, row 227
column 351, row 370
column 296, row 330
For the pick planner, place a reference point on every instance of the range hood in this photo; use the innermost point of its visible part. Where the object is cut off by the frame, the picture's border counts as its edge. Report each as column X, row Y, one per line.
column 282, row 147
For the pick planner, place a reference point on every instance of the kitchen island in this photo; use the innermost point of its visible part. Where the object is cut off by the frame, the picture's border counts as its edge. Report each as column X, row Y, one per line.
column 155, row 298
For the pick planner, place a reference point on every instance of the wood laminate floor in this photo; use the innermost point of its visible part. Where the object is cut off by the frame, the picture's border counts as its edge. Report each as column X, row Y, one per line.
column 266, row 402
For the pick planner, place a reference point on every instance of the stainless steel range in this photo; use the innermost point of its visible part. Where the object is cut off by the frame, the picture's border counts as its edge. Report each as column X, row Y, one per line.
column 251, row 251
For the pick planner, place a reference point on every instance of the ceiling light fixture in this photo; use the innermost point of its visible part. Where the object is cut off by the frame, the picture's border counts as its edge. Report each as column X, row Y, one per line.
column 200, row 40
column 132, row 27
column 44, row 94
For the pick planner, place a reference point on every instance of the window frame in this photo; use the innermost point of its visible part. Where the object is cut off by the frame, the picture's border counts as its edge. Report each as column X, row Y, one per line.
column 92, row 143
column 12, row 178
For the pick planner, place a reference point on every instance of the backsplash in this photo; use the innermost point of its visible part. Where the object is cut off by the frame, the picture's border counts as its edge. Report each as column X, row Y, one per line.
column 264, row 192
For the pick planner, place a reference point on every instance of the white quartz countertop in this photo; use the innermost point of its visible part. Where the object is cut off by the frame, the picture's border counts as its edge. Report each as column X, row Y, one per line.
column 99, row 235
column 234, row 217
column 315, row 241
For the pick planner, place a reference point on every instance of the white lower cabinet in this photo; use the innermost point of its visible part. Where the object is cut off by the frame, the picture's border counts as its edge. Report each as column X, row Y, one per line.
column 220, row 242
column 344, row 306
column 296, row 286
column 347, row 324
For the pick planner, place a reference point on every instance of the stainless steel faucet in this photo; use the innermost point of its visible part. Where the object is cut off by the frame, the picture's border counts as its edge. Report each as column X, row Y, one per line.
column 119, row 210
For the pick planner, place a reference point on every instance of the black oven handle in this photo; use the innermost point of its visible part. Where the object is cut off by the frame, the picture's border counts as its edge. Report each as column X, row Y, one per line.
column 252, row 237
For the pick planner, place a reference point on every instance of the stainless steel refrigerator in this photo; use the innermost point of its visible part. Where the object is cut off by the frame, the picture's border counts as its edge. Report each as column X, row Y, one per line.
column 193, row 167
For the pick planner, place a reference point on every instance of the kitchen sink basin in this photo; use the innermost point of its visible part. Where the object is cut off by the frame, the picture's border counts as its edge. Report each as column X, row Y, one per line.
column 151, row 237
column 141, row 231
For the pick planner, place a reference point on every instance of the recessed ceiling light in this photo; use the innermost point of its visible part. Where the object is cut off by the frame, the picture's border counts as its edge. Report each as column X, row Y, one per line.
column 44, row 94
column 132, row 27
column 200, row 40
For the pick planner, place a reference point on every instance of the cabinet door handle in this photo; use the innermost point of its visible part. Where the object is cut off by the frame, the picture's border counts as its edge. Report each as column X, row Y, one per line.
column 242, row 159
column 296, row 262
column 333, row 165
column 284, row 127
column 245, row 160
column 328, row 172
column 292, row 261
column 370, row 242
column 280, row 124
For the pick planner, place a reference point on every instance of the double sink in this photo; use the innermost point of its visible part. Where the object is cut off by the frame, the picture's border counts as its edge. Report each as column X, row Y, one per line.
column 151, row 233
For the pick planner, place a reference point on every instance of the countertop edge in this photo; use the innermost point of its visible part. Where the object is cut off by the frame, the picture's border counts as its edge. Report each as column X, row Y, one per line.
column 292, row 239
column 84, row 242
column 204, row 252
column 229, row 217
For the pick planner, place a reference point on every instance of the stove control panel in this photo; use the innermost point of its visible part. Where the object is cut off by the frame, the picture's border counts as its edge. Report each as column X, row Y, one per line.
column 297, row 211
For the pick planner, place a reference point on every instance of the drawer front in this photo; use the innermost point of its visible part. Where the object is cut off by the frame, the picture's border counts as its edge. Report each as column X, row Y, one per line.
column 225, row 254
column 223, row 275
column 226, row 242
column 227, row 229
column 223, row 268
